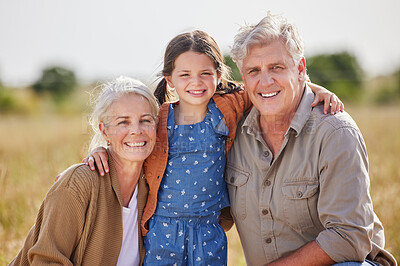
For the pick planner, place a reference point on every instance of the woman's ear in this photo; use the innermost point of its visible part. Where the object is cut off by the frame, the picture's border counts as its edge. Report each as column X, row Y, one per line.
column 169, row 81
column 103, row 131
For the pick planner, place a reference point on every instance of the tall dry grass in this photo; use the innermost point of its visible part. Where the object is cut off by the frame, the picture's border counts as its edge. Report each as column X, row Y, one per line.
column 34, row 149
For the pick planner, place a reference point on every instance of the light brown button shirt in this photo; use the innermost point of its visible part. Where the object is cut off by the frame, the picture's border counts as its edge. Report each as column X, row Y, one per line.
column 316, row 188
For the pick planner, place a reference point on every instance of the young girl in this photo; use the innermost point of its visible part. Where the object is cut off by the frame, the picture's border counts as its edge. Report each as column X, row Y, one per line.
column 184, row 214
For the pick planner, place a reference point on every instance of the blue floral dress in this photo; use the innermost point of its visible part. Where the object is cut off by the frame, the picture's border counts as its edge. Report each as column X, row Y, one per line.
column 184, row 229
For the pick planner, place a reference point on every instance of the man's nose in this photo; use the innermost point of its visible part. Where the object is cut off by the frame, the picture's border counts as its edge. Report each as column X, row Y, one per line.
column 266, row 79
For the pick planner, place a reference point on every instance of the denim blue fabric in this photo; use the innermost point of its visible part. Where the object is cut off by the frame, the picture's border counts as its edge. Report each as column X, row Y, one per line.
column 184, row 228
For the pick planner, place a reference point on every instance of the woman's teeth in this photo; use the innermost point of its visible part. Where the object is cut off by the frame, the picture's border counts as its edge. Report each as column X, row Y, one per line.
column 135, row 144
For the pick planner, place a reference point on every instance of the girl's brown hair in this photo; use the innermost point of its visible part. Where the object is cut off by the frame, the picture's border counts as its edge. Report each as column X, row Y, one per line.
column 196, row 41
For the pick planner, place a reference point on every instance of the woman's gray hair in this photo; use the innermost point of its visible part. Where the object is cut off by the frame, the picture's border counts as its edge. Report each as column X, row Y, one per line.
column 111, row 92
column 269, row 29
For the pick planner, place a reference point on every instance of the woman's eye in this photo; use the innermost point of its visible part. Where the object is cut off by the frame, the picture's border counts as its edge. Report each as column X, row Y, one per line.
column 184, row 75
column 122, row 123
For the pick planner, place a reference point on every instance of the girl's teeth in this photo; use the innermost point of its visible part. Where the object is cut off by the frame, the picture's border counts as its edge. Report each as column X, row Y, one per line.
column 269, row 94
column 196, row 92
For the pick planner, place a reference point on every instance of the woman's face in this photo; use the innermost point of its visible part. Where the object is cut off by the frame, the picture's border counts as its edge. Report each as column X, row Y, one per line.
column 131, row 129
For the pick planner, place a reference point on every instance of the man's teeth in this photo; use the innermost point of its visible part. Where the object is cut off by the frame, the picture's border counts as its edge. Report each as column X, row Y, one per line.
column 135, row 144
column 269, row 94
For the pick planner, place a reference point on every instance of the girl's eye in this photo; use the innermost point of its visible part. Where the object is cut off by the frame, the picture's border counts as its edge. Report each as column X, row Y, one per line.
column 184, row 75
column 206, row 73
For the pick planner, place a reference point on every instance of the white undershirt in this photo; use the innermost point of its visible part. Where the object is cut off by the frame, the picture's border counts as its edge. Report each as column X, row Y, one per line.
column 129, row 253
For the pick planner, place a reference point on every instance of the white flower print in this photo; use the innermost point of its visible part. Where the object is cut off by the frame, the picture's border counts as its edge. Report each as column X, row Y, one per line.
column 180, row 233
column 165, row 224
column 202, row 131
column 210, row 254
column 172, row 254
column 205, row 170
column 204, row 155
column 178, row 181
column 158, row 257
column 186, row 205
column 191, row 138
column 196, row 162
column 183, row 158
column 203, row 189
column 168, row 235
column 188, row 171
column 183, row 192
column 195, row 197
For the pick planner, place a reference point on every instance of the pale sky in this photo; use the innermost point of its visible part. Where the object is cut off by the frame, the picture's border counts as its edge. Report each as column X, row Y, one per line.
column 101, row 39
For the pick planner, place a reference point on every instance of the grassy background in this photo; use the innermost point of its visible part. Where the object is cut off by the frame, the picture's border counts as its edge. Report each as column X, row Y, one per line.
column 34, row 148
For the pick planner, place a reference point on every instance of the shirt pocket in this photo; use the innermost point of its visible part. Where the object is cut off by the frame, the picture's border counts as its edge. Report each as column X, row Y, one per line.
column 299, row 200
column 236, row 180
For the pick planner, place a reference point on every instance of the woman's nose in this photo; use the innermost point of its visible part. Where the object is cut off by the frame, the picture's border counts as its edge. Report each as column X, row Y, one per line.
column 135, row 128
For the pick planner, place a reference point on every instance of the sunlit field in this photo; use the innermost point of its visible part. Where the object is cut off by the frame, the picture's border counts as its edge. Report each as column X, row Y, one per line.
column 34, row 149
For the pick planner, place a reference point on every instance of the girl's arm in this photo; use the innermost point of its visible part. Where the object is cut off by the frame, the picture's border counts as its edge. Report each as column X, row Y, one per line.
column 329, row 99
column 97, row 157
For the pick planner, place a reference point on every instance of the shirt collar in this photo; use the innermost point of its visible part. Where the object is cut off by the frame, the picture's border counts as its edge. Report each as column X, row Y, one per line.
column 303, row 112
column 251, row 124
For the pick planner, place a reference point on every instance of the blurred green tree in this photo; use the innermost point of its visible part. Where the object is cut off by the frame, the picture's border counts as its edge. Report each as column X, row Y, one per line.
column 235, row 73
column 57, row 81
column 339, row 72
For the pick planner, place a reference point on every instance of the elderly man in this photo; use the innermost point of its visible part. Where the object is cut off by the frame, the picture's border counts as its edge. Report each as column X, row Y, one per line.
column 298, row 179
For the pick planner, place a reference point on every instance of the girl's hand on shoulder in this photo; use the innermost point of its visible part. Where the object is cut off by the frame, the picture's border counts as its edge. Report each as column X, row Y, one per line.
column 329, row 99
column 99, row 157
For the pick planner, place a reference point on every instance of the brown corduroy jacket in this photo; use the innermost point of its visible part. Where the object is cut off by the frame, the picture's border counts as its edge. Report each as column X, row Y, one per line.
column 232, row 106
column 80, row 221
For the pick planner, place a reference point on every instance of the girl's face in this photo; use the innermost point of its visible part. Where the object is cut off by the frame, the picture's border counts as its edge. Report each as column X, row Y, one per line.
column 131, row 130
column 195, row 78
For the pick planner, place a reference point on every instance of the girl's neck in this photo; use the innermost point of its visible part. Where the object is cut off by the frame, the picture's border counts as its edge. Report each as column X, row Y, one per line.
column 188, row 115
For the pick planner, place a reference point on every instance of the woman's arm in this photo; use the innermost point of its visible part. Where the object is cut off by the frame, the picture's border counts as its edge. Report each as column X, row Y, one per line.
column 329, row 99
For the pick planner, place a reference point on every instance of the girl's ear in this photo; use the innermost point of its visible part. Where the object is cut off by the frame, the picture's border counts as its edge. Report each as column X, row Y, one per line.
column 169, row 81
column 219, row 78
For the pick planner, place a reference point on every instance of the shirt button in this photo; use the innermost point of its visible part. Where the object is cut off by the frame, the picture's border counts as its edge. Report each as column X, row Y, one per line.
column 268, row 240
column 267, row 183
column 266, row 153
column 299, row 194
column 232, row 179
column 265, row 211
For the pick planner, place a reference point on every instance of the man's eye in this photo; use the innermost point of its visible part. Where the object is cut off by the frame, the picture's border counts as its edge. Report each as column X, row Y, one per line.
column 252, row 71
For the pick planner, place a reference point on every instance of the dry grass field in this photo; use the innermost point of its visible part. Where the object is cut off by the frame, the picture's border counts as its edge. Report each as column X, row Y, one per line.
column 34, row 149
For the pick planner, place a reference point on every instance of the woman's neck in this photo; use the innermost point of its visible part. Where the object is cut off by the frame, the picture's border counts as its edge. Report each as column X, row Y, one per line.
column 128, row 176
column 188, row 115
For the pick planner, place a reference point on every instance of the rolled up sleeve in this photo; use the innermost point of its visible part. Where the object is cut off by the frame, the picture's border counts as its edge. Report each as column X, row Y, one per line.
column 344, row 205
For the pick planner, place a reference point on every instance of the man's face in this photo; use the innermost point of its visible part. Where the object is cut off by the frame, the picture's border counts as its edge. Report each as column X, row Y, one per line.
column 273, row 81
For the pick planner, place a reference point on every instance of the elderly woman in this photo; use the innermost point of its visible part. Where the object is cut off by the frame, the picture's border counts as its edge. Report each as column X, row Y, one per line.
column 88, row 220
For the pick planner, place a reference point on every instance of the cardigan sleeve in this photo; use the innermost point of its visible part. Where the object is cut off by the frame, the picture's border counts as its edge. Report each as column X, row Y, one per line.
column 59, row 224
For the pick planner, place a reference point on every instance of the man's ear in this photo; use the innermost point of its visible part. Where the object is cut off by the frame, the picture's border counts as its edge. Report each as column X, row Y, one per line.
column 169, row 81
column 302, row 68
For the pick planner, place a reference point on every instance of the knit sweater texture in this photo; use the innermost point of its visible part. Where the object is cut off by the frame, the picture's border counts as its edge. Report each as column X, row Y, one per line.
column 80, row 220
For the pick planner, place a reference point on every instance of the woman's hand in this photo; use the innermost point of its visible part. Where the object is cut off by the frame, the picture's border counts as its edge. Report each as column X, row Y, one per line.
column 329, row 99
column 100, row 157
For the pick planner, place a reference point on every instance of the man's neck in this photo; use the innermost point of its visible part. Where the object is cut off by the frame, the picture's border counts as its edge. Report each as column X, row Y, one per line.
column 273, row 129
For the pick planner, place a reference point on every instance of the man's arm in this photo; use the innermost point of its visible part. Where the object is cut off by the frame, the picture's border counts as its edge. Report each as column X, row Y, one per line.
column 309, row 254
